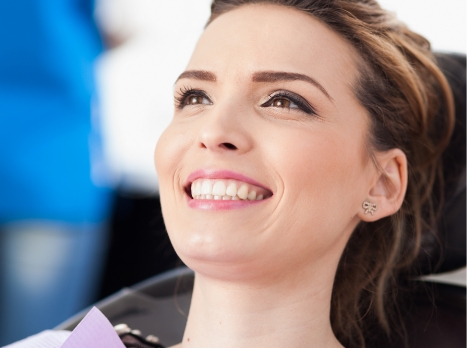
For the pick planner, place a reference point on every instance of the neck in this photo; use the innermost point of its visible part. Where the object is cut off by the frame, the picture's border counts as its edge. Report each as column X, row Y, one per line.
column 284, row 313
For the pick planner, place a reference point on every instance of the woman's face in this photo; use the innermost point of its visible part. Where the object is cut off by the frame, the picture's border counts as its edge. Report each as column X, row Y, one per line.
column 265, row 105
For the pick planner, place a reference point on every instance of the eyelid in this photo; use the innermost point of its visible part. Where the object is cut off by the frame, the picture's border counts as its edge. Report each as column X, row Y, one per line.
column 301, row 102
column 185, row 92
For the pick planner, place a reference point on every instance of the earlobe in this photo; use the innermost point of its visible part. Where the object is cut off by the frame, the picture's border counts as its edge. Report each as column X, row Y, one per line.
column 386, row 194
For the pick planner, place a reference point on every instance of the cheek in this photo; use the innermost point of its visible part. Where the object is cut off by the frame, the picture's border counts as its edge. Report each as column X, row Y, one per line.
column 322, row 180
column 172, row 155
column 169, row 152
column 168, row 156
column 321, row 164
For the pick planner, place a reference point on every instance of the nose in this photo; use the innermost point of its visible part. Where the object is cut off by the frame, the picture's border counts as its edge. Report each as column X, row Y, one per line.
column 224, row 131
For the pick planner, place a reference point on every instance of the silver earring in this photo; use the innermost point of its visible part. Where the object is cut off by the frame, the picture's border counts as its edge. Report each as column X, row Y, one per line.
column 369, row 207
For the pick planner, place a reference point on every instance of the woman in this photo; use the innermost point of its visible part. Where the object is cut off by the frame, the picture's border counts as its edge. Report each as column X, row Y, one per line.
column 298, row 175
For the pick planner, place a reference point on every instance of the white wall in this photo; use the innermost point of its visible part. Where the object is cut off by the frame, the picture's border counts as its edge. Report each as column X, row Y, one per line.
column 443, row 22
column 136, row 78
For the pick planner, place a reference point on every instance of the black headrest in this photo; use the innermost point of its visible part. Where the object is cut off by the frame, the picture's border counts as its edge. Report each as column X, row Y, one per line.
column 452, row 226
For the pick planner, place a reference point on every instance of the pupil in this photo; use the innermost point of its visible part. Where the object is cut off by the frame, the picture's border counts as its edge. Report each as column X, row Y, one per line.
column 281, row 102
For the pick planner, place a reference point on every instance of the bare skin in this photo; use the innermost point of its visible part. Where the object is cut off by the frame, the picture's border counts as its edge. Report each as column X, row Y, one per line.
column 268, row 94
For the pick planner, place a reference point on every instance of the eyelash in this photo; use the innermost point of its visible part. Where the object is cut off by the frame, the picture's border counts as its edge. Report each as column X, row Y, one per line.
column 185, row 92
column 301, row 103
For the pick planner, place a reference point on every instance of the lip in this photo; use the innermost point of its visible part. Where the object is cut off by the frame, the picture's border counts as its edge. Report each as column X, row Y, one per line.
column 220, row 204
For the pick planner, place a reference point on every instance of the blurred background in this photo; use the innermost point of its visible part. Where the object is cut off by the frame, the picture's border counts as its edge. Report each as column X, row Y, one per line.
column 85, row 92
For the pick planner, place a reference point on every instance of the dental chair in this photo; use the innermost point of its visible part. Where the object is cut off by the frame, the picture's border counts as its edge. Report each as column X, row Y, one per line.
column 157, row 306
column 160, row 305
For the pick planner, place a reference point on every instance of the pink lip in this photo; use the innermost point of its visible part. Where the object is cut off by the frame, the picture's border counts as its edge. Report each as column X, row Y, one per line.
column 220, row 204
column 211, row 204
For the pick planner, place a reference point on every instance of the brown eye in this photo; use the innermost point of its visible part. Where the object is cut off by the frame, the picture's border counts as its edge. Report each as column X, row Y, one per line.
column 281, row 103
column 190, row 97
column 196, row 100
column 289, row 101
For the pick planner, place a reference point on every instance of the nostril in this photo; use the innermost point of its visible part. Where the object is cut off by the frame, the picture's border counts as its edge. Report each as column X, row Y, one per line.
column 229, row 146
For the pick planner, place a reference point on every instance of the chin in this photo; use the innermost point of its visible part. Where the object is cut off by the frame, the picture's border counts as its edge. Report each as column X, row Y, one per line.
column 205, row 248
column 215, row 256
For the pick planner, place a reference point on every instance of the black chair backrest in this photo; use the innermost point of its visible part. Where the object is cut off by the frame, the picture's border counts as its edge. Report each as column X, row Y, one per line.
column 453, row 223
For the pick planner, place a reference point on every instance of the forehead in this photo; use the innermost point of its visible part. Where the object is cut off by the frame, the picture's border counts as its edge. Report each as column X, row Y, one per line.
column 272, row 37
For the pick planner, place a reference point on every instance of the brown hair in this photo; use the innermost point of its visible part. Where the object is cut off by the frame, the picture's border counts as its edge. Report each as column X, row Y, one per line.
column 411, row 107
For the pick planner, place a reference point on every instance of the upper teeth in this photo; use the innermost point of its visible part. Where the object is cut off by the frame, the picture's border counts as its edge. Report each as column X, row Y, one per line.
column 225, row 190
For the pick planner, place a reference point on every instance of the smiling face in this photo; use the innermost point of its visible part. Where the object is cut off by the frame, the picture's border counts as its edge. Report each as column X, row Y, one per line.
column 263, row 168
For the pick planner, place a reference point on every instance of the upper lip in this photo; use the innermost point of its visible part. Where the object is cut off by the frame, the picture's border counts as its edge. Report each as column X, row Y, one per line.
column 221, row 174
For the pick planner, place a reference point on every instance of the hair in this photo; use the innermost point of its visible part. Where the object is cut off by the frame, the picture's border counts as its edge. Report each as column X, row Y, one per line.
column 410, row 106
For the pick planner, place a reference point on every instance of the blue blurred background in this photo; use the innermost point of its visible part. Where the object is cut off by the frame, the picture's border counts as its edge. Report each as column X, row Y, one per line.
column 56, row 194
column 85, row 91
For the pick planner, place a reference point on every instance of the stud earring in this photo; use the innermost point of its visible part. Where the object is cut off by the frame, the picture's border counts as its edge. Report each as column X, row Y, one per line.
column 369, row 207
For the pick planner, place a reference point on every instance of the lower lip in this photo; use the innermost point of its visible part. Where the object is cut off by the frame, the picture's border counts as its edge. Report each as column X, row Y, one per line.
column 212, row 204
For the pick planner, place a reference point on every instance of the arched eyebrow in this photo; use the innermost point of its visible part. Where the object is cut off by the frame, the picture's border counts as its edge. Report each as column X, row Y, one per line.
column 274, row 76
column 202, row 75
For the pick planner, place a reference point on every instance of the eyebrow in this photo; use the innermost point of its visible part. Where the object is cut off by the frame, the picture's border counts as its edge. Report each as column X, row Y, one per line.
column 202, row 75
column 274, row 76
column 260, row 76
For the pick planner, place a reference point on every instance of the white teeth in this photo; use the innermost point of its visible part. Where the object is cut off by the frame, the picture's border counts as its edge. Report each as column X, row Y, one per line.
column 195, row 189
column 198, row 187
column 243, row 191
column 219, row 188
column 231, row 190
column 206, row 187
column 235, row 198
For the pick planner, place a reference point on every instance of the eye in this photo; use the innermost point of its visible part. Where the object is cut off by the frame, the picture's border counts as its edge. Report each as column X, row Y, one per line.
column 283, row 103
column 195, row 99
column 188, row 96
column 289, row 100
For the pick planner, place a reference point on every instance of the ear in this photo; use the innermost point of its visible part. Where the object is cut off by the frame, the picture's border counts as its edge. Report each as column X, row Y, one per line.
column 389, row 185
